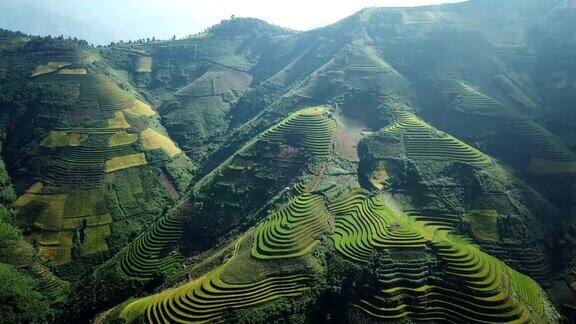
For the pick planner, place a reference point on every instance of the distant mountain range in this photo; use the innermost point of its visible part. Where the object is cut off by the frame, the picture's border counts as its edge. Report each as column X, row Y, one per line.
column 37, row 20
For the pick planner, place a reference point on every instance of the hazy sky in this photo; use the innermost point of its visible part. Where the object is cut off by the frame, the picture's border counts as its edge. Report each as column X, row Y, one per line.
column 163, row 18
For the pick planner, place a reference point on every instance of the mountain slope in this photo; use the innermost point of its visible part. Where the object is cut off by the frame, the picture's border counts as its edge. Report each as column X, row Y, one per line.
column 399, row 164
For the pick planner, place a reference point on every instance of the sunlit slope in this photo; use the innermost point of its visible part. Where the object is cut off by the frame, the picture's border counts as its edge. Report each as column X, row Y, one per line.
column 472, row 286
column 452, row 281
column 212, row 296
column 289, row 144
column 422, row 141
column 102, row 143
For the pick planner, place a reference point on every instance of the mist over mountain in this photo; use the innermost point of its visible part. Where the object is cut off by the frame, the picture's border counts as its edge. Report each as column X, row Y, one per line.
column 105, row 21
column 39, row 19
column 411, row 164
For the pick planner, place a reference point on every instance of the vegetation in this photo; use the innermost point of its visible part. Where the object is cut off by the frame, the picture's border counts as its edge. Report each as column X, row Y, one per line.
column 292, row 231
column 400, row 165
column 126, row 161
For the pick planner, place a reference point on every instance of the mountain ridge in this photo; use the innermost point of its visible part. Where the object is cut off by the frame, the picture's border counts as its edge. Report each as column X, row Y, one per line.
column 198, row 158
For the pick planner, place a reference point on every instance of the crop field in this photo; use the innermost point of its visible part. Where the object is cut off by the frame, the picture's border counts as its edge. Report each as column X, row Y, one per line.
column 49, row 68
column 89, row 156
column 473, row 100
column 435, row 219
column 523, row 256
column 216, row 84
column 472, row 282
column 150, row 251
column 291, row 231
column 509, row 82
column 72, row 175
column 118, row 122
column 363, row 224
column 550, row 155
column 423, row 141
column 484, row 224
column 63, row 138
column 59, row 218
column 139, row 108
column 144, row 64
column 55, row 247
column 123, row 162
column 211, row 297
column 549, row 147
column 308, row 128
column 409, row 287
column 72, row 72
column 152, row 140
column 123, row 138
column 95, row 239
column 475, row 288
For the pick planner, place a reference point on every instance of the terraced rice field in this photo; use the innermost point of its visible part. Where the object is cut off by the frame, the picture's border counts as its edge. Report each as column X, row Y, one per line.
column 209, row 298
column 473, row 100
column 463, row 285
column 63, row 139
column 212, row 296
column 524, row 256
column 139, row 108
column 73, row 176
column 72, row 72
column 310, row 128
column 549, row 147
column 152, row 140
column 58, row 219
column 144, row 64
column 118, row 163
column 423, row 141
column 292, row 230
column 474, row 287
column 549, row 155
column 118, row 121
column 93, row 156
column 149, row 253
column 363, row 224
column 435, row 219
column 123, row 138
column 49, row 68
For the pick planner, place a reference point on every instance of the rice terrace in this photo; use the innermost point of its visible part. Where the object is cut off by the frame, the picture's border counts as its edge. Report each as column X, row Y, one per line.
column 398, row 165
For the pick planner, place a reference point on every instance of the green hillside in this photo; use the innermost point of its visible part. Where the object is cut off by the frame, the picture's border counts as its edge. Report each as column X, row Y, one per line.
column 400, row 165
